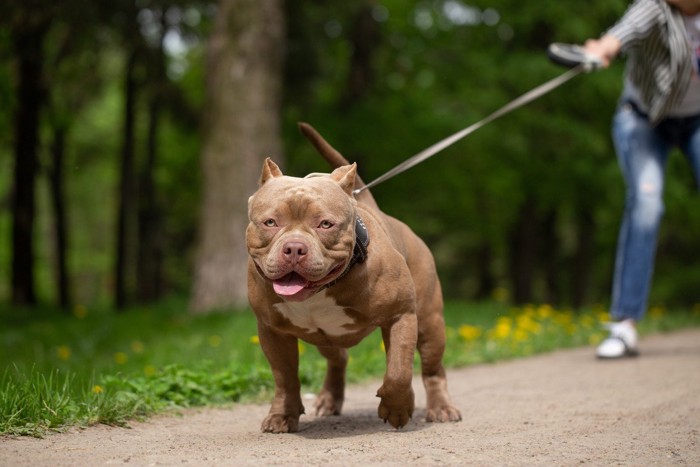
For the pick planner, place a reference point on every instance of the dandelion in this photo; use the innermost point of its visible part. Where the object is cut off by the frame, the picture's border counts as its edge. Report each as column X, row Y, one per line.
column 527, row 324
column 469, row 333
column 382, row 346
column 214, row 341
column 97, row 389
column 63, row 352
column 545, row 311
column 120, row 358
column 79, row 311
column 255, row 340
column 502, row 328
column 302, row 348
column 137, row 347
column 149, row 370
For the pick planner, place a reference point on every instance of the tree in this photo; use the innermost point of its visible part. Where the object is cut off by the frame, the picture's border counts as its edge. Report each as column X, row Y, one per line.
column 241, row 126
column 29, row 27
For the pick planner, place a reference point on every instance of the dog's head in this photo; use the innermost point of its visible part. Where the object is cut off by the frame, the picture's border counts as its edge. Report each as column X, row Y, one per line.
column 301, row 231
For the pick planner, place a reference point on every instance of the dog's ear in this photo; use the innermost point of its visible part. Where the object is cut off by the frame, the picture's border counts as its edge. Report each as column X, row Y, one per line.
column 270, row 170
column 345, row 176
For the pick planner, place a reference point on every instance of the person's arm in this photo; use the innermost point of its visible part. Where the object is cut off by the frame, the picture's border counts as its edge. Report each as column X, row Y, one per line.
column 639, row 19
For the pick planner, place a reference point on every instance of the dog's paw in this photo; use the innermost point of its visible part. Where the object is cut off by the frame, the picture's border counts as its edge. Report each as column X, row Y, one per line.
column 397, row 409
column 445, row 413
column 326, row 404
column 280, row 423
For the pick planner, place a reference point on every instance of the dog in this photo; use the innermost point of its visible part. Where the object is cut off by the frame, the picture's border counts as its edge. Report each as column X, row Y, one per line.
column 329, row 267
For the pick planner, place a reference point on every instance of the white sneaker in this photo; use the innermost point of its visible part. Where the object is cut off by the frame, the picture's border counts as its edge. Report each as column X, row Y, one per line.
column 622, row 341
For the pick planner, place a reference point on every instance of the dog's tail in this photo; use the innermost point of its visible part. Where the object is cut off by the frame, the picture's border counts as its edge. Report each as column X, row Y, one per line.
column 335, row 159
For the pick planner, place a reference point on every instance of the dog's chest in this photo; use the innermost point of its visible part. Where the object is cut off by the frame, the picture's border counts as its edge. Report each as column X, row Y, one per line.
column 319, row 313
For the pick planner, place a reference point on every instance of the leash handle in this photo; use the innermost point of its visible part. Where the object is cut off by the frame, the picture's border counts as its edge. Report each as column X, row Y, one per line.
column 450, row 140
column 571, row 55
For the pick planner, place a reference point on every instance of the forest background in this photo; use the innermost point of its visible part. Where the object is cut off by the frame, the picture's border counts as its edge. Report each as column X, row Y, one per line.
column 132, row 133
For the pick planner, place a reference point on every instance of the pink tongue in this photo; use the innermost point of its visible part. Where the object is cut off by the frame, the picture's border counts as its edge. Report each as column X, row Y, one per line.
column 290, row 284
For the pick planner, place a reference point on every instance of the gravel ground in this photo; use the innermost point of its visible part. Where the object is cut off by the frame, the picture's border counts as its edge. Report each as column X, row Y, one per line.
column 561, row 408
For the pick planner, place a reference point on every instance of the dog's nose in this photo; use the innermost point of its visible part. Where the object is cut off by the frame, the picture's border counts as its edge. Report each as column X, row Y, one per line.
column 294, row 251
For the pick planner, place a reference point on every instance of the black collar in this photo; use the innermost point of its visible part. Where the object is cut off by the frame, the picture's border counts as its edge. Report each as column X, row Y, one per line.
column 359, row 253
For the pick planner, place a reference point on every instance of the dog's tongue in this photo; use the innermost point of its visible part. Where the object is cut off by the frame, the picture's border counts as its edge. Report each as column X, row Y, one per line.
column 290, row 284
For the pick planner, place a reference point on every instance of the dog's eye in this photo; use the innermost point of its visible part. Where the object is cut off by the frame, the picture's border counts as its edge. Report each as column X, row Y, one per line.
column 270, row 223
column 325, row 224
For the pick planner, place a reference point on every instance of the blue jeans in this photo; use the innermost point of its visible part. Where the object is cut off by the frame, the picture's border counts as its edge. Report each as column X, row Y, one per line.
column 642, row 152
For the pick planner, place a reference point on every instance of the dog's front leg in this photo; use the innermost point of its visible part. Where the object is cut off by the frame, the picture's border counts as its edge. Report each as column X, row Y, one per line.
column 397, row 400
column 282, row 352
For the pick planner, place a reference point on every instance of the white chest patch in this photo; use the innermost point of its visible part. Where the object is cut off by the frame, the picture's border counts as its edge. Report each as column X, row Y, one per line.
column 319, row 312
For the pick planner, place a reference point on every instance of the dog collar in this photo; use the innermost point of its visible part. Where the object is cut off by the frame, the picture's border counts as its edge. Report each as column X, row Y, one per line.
column 359, row 253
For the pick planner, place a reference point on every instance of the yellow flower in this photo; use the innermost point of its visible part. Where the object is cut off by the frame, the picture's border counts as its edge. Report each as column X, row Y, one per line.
column 255, row 340
column 502, row 328
column 214, row 341
column 97, row 389
column 469, row 333
column 382, row 346
column 63, row 352
column 526, row 323
column 137, row 347
column 545, row 311
column 120, row 358
column 149, row 370
column 302, row 348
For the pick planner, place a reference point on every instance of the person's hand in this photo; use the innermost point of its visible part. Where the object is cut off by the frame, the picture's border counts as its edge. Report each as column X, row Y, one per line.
column 606, row 48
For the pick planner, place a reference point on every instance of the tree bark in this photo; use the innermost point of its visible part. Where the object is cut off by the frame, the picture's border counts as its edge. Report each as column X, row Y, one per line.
column 27, row 37
column 60, row 223
column 241, row 128
column 523, row 252
column 126, row 186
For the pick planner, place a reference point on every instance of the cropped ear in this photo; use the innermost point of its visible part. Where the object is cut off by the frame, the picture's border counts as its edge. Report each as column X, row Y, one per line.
column 345, row 176
column 269, row 170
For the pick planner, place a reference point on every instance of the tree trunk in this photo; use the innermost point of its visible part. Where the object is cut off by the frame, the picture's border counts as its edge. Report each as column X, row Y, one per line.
column 550, row 254
column 126, row 186
column 583, row 258
column 523, row 252
column 364, row 37
column 56, row 177
column 150, row 251
column 27, row 39
column 241, row 128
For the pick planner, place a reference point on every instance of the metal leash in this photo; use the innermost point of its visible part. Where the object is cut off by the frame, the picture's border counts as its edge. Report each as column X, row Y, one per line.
column 450, row 140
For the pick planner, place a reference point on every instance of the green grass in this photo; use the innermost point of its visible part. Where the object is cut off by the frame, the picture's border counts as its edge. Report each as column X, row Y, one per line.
column 95, row 366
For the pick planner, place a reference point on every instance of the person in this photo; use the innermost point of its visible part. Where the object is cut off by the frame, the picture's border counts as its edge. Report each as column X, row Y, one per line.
column 659, row 109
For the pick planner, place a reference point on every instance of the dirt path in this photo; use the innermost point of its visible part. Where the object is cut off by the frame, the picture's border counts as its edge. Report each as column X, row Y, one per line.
column 563, row 408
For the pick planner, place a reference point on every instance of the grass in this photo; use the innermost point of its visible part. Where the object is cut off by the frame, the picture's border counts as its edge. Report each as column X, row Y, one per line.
column 95, row 366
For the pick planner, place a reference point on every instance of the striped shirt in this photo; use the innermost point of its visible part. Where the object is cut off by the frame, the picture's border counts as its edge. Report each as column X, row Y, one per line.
column 659, row 63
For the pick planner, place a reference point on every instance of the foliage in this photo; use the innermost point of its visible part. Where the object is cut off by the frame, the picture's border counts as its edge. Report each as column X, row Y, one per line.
column 98, row 367
column 435, row 67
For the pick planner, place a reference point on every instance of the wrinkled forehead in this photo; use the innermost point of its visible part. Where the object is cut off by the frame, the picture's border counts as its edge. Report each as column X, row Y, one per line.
column 313, row 188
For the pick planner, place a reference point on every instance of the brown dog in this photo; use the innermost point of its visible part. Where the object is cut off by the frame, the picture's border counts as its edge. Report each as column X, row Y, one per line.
column 329, row 269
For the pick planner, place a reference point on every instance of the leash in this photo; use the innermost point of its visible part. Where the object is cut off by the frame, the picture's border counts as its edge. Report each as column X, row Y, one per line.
column 563, row 54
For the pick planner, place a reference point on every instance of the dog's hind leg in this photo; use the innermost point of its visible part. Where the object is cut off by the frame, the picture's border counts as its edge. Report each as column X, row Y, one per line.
column 330, row 400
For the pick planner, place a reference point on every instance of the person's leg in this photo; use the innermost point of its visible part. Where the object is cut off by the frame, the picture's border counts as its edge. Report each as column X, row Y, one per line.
column 642, row 154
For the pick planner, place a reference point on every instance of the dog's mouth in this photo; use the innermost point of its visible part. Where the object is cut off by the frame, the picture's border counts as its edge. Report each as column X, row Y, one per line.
column 294, row 285
column 291, row 284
